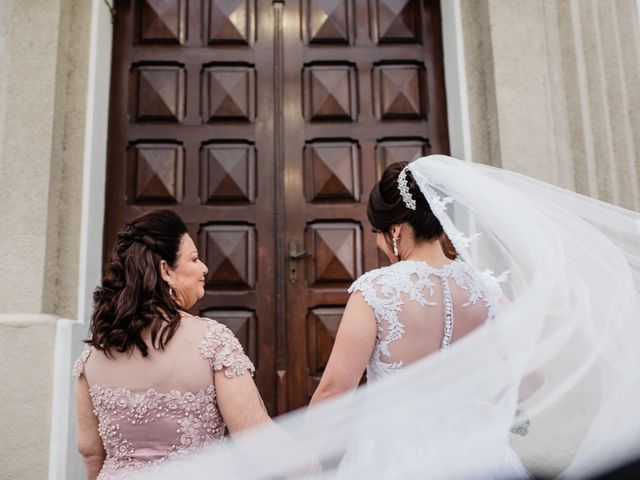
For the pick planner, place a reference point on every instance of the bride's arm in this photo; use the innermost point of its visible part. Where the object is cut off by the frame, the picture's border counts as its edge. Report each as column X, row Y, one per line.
column 351, row 351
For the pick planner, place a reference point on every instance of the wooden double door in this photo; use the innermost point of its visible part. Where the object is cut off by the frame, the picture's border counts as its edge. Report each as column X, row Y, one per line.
column 265, row 124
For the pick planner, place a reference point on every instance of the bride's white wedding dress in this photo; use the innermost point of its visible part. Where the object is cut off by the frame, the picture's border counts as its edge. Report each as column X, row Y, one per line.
column 420, row 310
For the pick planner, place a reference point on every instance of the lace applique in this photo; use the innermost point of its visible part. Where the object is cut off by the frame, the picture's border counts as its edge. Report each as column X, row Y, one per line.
column 78, row 366
column 382, row 289
column 223, row 350
column 196, row 416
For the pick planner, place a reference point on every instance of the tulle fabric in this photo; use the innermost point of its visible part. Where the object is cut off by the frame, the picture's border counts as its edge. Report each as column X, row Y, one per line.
column 572, row 303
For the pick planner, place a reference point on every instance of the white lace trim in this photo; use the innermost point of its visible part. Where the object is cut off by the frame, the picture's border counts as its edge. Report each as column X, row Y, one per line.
column 382, row 289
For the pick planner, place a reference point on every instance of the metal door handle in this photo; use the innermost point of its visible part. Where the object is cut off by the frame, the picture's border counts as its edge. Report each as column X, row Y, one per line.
column 294, row 256
column 299, row 255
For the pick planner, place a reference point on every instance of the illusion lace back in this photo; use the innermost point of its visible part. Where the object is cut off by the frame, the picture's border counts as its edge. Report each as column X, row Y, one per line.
column 157, row 407
column 420, row 309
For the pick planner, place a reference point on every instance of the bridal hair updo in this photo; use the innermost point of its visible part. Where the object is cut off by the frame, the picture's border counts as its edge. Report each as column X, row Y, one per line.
column 133, row 296
column 386, row 208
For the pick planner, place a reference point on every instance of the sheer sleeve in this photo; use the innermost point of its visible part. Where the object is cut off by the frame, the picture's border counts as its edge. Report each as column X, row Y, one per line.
column 78, row 366
column 223, row 351
column 368, row 286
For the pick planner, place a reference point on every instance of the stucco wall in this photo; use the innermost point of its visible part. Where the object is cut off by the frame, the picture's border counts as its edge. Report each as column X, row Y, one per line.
column 43, row 52
column 552, row 89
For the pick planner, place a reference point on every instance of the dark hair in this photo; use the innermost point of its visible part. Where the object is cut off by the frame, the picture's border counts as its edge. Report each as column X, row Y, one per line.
column 386, row 206
column 133, row 296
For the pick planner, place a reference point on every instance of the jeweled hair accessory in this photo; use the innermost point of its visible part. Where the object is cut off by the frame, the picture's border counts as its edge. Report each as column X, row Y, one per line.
column 404, row 189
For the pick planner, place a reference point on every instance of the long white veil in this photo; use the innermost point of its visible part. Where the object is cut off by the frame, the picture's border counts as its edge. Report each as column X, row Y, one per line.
column 571, row 315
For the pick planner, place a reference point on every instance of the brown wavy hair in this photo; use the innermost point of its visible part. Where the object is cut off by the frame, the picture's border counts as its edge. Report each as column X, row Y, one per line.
column 133, row 297
column 387, row 208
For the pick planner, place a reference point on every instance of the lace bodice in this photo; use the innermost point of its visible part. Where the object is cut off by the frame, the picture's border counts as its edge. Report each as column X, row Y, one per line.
column 154, row 408
column 420, row 309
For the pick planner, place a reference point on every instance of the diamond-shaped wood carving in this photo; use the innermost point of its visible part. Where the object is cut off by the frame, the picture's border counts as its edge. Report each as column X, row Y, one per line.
column 394, row 150
column 229, row 93
column 397, row 21
column 159, row 93
column 399, row 91
column 162, row 21
column 243, row 324
column 330, row 92
column 229, row 253
column 230, row 22
column 228, row 173
column 327, row 21
column 322, row 327
column 336, row 249
column 332, row 171
column 155, row 173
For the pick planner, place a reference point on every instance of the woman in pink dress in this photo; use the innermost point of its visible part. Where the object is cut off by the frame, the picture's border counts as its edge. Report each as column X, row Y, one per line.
column 155, row 382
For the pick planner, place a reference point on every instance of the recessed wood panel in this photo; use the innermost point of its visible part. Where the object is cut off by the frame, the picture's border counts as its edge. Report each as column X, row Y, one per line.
column 243, row 324
column 330, row 92
column 162, row 21
column 230, row 22
column 327, row 21
column 336, row 249
column 229, row 253
column 229, row 92
column 393, row 150
column 332, row 171
column 159, row 94
column 399, row 91
column 155, row 173
column 397, row 21
column 322, row 327
column 228, row 172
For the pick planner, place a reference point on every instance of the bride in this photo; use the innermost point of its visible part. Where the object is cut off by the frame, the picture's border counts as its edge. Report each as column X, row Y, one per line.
column 540, row 282
column 399, row 314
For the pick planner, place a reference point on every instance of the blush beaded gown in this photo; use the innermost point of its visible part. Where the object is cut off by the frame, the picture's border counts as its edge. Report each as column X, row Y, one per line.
column 158, row 407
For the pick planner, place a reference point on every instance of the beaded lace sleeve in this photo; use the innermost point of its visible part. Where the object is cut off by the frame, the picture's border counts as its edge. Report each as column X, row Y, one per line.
column 78, row 366
column 223, row 351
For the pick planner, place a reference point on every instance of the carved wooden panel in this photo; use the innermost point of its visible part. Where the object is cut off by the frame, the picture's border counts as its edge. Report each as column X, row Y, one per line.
column 397, row 21
column 230, row 22
column 229, row 253
column 322, row 327
column 330, row 92
column 399, row 90
column 228, row 173
column 243, row 324
column 327, row 21
column 159, row 92
column 229, row 92
column 162, row 21
column 155, row 173
column 392, row 150
column 336, row 249
column 332, row 171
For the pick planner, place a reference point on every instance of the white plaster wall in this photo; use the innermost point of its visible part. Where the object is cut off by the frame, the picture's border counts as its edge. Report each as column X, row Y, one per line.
column 44, row 59
column 552, row 88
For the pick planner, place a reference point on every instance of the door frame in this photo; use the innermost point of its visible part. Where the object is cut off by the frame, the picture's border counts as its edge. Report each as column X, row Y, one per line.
column 66, row 464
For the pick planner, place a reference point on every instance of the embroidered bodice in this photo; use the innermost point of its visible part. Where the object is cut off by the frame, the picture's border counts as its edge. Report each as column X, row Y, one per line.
column 420, row 309
column 157, row 407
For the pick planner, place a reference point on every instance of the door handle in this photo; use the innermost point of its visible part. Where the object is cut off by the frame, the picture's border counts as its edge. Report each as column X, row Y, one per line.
column 294, row 256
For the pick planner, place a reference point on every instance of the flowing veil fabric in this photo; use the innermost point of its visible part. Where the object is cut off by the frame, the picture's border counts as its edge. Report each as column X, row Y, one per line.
column 567, row 270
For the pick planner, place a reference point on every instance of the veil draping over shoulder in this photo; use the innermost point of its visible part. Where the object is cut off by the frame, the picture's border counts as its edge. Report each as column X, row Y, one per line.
column 566, row 268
